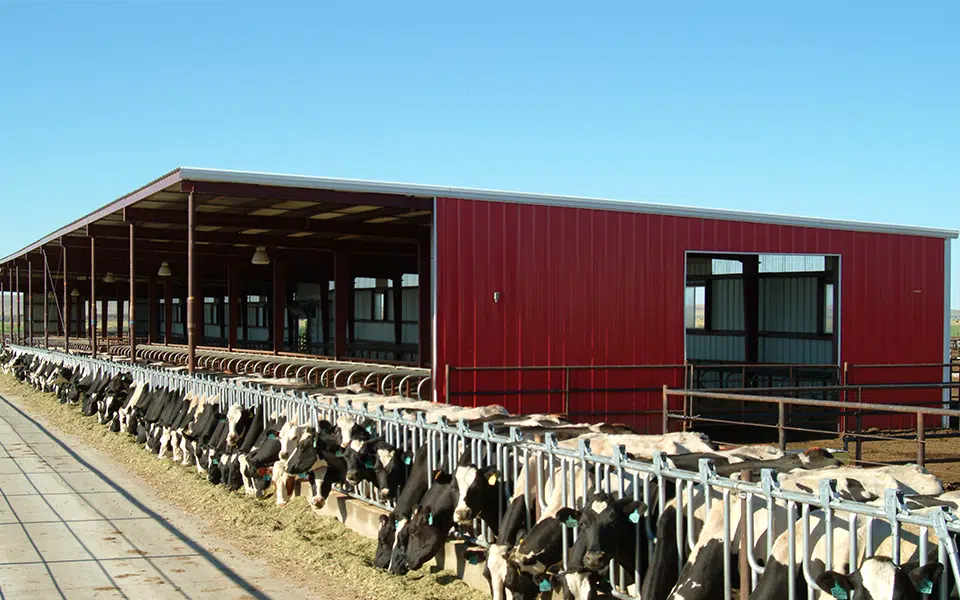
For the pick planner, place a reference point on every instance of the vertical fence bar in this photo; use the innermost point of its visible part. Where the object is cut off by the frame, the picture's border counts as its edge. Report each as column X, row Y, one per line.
column 781, row 432
column 921, row 440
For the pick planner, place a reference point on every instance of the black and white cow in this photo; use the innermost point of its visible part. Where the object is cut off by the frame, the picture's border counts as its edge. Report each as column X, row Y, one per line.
column 431, row 521
column 257, row 464
column 390, row 550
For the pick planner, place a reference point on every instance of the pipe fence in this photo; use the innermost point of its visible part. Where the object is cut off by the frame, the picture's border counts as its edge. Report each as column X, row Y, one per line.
column 567, row 472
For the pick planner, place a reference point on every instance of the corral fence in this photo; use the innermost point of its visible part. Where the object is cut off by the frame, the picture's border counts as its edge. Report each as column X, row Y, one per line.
column 688, row 416
column 569, row 469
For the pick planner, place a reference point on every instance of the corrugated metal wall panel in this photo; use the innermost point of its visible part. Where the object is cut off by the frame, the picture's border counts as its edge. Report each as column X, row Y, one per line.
column 727, row 348
column 794, row 351
column 727, row 304
column 599, row 287
column 788, row 304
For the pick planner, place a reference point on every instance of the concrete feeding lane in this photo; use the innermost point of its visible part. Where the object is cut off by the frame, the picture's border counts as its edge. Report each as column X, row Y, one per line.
column 75, row 525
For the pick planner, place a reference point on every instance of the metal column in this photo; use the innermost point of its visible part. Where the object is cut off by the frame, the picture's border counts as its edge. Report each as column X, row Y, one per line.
column 151, row 310
column 93, row 296
column 46, row 307
column 30, row 301
column 19, row 306
column 341, row 299
column 233, row 297
column 279, row 304
column 191, row 288
column 67, row 313
column 132, row 323
column 425, row 317
column 398, row 312
column 167, row 311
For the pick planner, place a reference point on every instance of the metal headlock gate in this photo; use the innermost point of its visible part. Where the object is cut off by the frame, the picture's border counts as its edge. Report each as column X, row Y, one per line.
column 575, row 470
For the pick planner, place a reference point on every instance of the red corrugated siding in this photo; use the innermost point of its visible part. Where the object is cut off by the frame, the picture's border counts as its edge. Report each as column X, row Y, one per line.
column 592, row 287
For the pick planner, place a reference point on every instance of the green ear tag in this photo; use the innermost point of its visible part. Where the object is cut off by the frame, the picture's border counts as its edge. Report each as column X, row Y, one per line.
column 303, row 476
column 266, row 477
column 271, row 436
column 545, row 585
column 396, row 524
column 838, row 592
column 430, row 519
column 634, row 517
column 406, row 460
column 369, row 464
column 473, row 560
column 338, row 453
column 215, row 461
column 926, row 588
column 572, row 523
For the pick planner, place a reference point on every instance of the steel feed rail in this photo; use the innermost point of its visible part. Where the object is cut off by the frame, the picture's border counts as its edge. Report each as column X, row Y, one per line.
column 444, row 441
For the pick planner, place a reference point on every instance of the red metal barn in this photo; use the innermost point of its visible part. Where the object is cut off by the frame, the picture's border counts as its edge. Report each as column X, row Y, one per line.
column 530, row 282
column 544, row 303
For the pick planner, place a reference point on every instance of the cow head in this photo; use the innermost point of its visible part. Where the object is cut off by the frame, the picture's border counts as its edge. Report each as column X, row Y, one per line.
column 238, row 420
column 388, row 465
column 289, row 436
column 604, row 527
column 303, row 457
column 878, row 578
column 478, row 489
column 429, row 525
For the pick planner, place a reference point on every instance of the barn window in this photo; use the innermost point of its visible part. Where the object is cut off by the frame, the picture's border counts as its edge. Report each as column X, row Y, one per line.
column 695, row 306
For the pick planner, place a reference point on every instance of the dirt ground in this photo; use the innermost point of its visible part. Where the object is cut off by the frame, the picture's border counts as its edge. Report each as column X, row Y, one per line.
column 315, row 552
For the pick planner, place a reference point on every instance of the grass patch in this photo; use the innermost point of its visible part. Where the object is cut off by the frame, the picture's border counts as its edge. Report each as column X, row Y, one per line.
column 316, row 552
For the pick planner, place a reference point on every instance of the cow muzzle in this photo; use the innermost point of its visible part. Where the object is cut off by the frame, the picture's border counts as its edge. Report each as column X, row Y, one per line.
column 463, row 516
column 594, row 560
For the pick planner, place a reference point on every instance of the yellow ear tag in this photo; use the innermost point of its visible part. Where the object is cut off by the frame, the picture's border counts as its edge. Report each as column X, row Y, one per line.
column 436, row 475
column 492, row 479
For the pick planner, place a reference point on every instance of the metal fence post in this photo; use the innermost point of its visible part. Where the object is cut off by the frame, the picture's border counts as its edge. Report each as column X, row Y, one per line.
column 921, row 440
column 781, row 432
column 666, row 410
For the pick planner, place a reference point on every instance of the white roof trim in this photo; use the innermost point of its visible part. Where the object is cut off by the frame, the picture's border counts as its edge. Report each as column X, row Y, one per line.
column 406, row 189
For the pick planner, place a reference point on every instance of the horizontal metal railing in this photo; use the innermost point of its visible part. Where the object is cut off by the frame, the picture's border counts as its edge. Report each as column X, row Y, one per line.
column 569, row 470
column 856, row 409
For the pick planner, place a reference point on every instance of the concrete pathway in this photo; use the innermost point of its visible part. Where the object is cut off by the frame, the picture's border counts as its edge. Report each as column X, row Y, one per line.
column 75, row 525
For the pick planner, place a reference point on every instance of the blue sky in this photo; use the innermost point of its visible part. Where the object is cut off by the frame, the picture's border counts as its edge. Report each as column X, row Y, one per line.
column 813, row 108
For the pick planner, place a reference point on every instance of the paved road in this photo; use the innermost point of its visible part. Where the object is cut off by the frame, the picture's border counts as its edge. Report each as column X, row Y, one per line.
column 74, row 525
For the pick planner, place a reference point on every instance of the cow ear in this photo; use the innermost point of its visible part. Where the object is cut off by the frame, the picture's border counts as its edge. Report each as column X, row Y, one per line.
column 836, row 584
column 924, row 577
column 492, row 475
column 569, row 517
column 441, row 476
column 634, row 510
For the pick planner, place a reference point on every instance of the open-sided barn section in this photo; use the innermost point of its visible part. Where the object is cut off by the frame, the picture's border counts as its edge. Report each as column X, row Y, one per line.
column 542, row 303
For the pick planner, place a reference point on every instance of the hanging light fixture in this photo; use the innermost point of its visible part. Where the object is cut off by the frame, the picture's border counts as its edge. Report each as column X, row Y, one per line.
column 109, row 278
column 75, row 293
column 260, row 257
column 164, row 270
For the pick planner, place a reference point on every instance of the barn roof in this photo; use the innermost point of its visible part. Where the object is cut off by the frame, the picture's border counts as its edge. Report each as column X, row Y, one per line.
column 391, row 210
